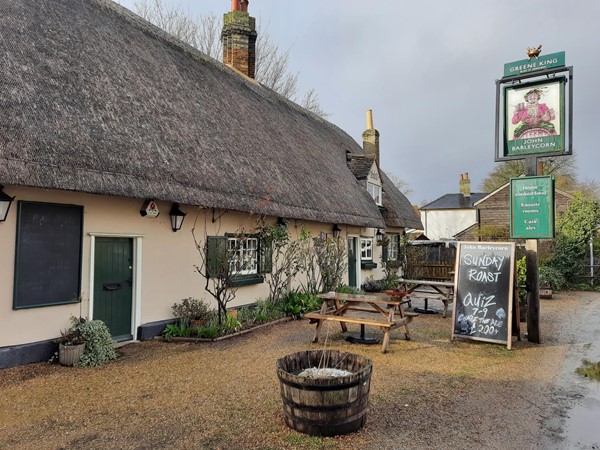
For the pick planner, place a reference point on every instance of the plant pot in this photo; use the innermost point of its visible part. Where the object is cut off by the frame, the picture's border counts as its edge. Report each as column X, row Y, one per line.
column 69, row 355
column 324, row 406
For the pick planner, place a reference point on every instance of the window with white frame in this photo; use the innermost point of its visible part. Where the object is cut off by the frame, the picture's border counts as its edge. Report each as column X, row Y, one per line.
column 375, row 192
column 366, row 249
column 393, row 247
column 243, row 255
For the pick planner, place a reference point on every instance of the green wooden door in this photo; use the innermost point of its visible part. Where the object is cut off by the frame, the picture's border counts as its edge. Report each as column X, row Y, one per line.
column 351, row 262
column 113, row 272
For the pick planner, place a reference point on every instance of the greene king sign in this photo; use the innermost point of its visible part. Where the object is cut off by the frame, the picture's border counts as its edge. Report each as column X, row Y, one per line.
column 542, row 63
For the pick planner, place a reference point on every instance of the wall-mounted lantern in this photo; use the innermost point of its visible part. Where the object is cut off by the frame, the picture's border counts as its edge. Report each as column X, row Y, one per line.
column 379, row 235
column 177, row 216
column 5, row 202
column 336, row 231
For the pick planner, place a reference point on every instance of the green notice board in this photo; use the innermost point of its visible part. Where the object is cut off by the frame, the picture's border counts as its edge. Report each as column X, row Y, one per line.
column 532, row 207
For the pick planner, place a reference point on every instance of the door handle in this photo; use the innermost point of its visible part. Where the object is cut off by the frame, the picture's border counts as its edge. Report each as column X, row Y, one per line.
column 111, row 286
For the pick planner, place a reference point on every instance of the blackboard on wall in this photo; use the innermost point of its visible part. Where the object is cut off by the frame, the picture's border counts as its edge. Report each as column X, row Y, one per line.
column 483, row 300
column 48, row 256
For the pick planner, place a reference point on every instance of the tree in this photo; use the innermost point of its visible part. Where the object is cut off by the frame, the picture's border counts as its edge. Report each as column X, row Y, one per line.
column 204, row 33
column 285, row 258
column 575, row 228
column 400, row 184
column 563, row 169
column 219, row 263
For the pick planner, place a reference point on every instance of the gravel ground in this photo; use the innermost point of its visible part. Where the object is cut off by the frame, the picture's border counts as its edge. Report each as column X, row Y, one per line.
column 426, row 393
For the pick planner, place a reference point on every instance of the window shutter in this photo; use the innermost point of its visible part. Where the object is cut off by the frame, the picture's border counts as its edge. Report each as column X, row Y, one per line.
column 384, row 251
column 216, row 255
column 265, row 262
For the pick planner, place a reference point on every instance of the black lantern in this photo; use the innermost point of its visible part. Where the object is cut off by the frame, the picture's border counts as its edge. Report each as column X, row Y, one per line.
column 336, row 231
column 5, row 202
column 379, row 235
column 177, row 216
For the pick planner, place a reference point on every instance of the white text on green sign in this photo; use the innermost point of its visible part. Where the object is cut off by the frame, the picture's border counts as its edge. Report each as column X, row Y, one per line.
column 532, row 207
column 542, row 63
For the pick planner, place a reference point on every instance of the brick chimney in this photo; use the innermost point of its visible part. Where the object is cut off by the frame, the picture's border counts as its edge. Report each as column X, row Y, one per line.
column 465, row 184
column 239, row 38
column 371, row 138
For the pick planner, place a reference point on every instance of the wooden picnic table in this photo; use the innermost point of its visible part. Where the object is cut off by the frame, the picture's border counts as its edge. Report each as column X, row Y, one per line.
column 336, row 305
column 427, row 289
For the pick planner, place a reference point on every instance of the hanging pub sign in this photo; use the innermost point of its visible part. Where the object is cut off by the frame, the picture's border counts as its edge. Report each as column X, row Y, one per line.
column 534, row 107
column 532, row 207
column 534, row 115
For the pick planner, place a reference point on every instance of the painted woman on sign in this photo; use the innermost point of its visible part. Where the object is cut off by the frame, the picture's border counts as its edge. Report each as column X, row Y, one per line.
column 534, row 118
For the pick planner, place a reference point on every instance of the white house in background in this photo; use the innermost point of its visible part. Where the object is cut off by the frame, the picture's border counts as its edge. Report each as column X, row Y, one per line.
column 451, row 213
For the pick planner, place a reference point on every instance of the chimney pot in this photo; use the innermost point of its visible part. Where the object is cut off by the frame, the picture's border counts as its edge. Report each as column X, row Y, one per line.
column 465, row 184
column 371, row 138
column 244, row 5
column 369, row 119
column 235, row 5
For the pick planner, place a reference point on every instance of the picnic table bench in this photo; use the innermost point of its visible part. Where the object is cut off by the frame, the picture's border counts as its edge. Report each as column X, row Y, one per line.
column 427, row 289
column 336, row 305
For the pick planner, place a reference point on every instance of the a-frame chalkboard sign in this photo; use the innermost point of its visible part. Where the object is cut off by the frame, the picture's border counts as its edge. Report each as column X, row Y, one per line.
column 483, row 292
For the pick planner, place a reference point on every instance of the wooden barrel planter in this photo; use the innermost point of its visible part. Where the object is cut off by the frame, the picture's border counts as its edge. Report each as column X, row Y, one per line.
column 325, row 406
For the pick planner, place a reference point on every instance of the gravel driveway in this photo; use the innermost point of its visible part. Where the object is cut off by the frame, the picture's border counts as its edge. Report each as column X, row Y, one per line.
column 426, row 393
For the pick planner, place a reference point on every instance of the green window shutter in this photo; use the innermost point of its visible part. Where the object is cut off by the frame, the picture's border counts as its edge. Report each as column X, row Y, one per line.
column 384, row 251
column 216, row 255
column 265, row 254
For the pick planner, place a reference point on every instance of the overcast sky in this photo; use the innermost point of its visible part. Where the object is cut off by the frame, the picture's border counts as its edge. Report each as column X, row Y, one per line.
column 427, row 69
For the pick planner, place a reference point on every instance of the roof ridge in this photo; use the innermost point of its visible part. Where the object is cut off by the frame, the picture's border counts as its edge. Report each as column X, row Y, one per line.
column 193, row 52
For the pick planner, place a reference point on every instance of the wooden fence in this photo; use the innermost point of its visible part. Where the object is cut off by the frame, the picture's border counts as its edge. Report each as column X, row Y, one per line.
column 429, row 262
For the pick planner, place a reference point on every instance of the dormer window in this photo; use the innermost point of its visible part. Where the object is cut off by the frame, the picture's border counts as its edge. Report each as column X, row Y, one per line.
column 375, row 192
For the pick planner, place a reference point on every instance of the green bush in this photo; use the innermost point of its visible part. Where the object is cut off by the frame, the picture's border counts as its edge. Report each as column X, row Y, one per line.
column 260, row 312
column 551, row 277
column 99, row 345
column 345, row 289
column 296, row 304
column 192, row 309
column 522, row 280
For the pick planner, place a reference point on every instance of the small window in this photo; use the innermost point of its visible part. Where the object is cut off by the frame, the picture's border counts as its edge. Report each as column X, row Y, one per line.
column 393, row 247
column 243, row 256
column 375, row 192
column 366, row 249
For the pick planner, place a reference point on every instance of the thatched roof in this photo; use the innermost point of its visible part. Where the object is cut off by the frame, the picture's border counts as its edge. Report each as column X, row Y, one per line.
column 94, row 99
column 398, row 212
column 360, row 166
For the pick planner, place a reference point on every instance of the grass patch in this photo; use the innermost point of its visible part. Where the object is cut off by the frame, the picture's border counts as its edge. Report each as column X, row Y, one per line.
column 589, row 370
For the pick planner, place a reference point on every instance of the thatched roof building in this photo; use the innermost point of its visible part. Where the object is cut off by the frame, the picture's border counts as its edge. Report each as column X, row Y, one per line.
column 94, row 99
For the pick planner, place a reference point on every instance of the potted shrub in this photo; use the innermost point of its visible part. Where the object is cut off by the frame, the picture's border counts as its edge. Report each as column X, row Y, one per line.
column 86, row 343
column 192, row 312
column 549, row 280
column 71, row 345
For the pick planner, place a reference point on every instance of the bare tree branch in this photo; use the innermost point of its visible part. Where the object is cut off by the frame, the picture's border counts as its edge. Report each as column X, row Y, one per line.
column 204, row 33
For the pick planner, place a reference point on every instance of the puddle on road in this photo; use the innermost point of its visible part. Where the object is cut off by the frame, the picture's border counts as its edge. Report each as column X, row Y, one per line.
column 582, row 427
column 583, row 430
